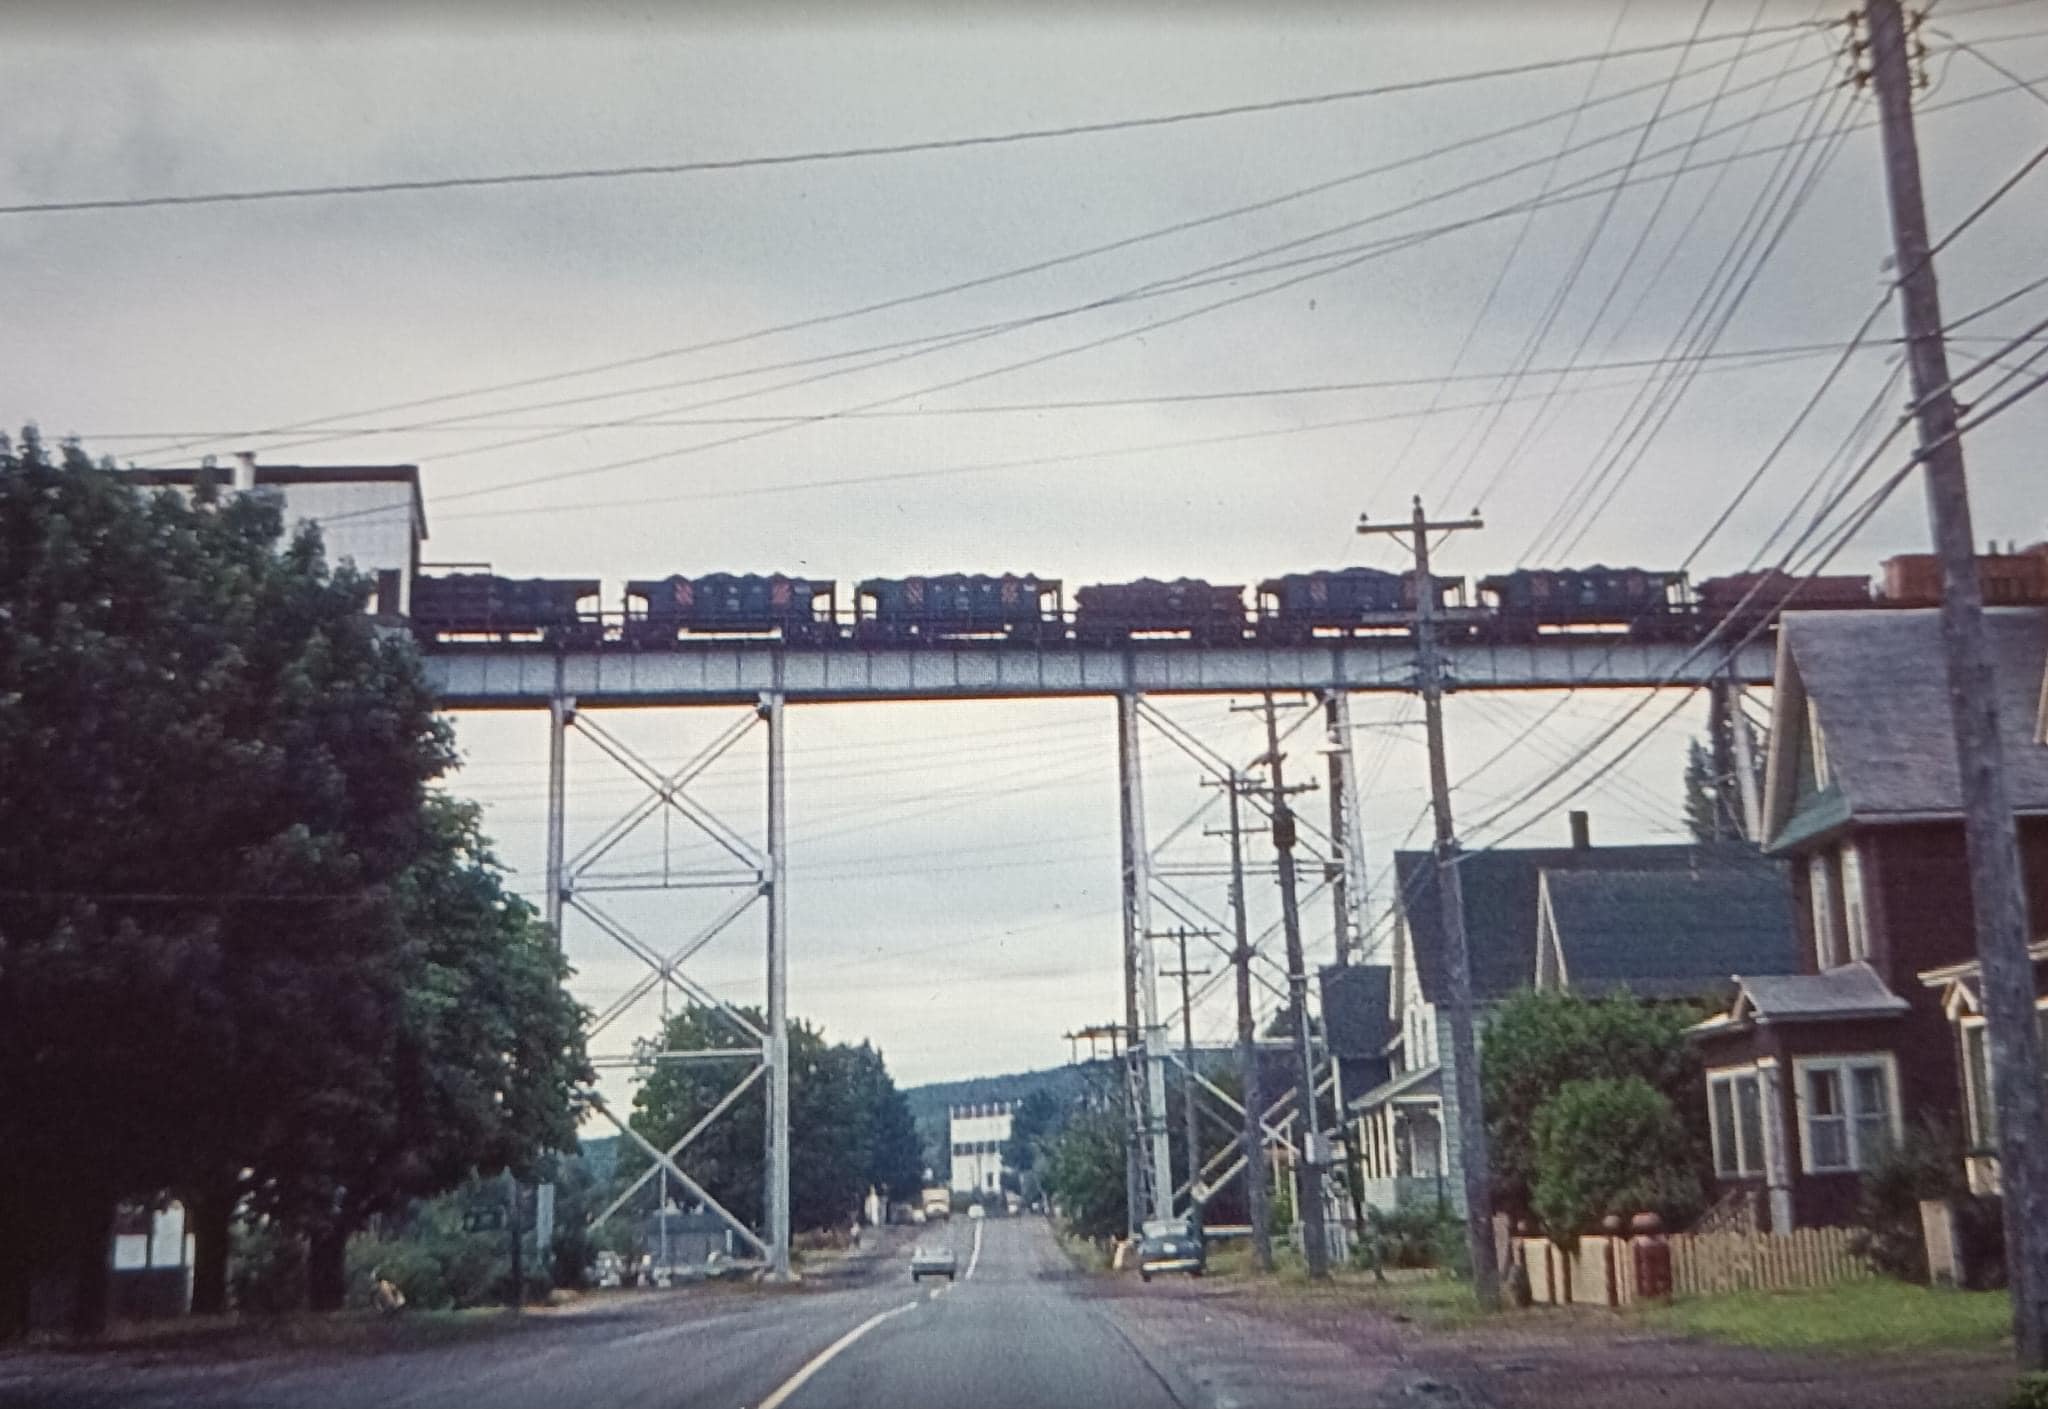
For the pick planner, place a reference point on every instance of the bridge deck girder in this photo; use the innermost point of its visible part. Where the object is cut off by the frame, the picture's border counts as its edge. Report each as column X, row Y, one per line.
column 484, row 676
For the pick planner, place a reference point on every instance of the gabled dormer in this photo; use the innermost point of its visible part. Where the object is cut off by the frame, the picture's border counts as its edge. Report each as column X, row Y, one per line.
column 1804, row 800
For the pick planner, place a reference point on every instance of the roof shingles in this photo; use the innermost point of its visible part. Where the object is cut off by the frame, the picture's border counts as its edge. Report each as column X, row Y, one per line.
column 1878, row 686
column 1672, row 933
column 1500, row 892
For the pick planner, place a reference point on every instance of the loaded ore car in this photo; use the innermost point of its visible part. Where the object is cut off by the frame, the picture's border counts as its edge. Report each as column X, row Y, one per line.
column 1187, row 606
column 660, row 612
column 1745, row 599
column 477, row 604
column 1646, row 602
column 1293, row 608
column 957, row 606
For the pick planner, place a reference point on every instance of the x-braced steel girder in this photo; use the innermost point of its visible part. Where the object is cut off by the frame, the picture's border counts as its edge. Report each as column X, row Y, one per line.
column 758, row 873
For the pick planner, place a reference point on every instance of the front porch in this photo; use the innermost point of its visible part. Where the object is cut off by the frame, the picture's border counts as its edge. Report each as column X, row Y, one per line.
column 1399, row 1128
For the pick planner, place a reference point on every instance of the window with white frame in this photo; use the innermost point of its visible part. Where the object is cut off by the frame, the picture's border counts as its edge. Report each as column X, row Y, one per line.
column 1980, row 1110
column 1817, row 746
column 1848, row 1110
column 1828, row 948
column 1855, row 916
column 1735, row 1102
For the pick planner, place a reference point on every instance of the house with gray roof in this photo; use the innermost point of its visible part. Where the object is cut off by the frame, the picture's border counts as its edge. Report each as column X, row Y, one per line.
column 1811, row 1075
column 1676, row 934
column 1609, row 918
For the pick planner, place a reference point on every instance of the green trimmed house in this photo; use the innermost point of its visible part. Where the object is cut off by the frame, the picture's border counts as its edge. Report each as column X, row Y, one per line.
column 1664, row 922
column 1811, row 1075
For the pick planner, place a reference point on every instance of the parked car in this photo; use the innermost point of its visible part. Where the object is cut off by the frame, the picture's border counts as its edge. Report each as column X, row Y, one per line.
column 932, row 1262
column 1170, row 1245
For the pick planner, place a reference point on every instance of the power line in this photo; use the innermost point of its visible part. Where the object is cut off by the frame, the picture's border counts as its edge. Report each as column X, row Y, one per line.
column 1326, row 263
column 1842, row 536
column 1013, row 407
column 1223, row 271
column 1514, row 250
column 1734, row 303
column 532, row 178
column 1533, row 428
column 1561, row 296
column 1997, row 194
column 1721, row 296
column 962, row 286
column 1037, row 461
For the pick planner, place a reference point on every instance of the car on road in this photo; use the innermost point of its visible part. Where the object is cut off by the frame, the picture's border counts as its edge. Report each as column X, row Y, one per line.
column 1171, row 1245
column 977, row 1211
column 926, row 1261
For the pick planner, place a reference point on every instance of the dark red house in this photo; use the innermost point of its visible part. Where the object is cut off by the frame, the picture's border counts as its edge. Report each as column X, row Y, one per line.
column 1810, row 1075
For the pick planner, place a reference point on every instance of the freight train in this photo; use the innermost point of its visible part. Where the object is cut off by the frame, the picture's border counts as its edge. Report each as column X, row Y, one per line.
column 1295, row 609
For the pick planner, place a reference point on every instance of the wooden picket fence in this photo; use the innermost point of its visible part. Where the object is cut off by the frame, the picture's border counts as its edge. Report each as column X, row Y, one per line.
column 1735, row 1262
column 1602, row 1272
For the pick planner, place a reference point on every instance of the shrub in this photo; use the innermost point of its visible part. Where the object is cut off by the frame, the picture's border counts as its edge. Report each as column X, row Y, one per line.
column 1927, row 1164
column 1418, row 1236
column 1536, row 1043
column 2030, row 1393
column 1610, row 1146
column 435, row 1267
column 266, row 1269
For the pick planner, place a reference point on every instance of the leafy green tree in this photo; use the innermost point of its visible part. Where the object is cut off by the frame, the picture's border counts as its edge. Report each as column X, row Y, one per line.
column 1536, row 1043
column 214, row 767
column 477, row 1068
column 850, row 1128
column 1084, row 1173
column 1033, row 1120
column 1610, row 1147
column 242, row 955
column 1082, row 1167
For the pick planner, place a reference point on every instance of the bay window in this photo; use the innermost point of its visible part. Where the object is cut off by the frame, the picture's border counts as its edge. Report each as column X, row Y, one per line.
column 1848, row 1110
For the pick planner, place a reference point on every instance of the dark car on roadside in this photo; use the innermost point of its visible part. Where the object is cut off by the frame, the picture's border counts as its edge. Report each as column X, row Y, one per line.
column 1171, row 1245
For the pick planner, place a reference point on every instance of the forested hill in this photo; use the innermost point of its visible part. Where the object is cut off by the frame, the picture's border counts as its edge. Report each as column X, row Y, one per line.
column 929, row 1104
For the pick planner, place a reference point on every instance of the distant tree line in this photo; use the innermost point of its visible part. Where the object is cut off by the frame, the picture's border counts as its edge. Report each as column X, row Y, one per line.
column 250, row 958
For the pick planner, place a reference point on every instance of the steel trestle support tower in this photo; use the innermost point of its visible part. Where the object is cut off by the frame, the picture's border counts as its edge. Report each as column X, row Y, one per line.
column 1155, row 1143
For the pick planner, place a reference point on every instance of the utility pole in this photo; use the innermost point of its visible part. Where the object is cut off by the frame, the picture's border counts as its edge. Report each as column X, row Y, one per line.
column 1344, row 829
column 1187, row 1074
column 1315, row 1246
column 1997, row 902
column 1258, row 1201
column 517, row 1297
column 1475, row 1166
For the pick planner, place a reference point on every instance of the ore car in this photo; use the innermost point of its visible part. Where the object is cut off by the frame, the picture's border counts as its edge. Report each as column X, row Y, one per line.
column 1200, row 611
column 957, row 606
column 1643, row 601
column 477, row 604
column 660, row 612
column 1295, row 607
column 1745, row 599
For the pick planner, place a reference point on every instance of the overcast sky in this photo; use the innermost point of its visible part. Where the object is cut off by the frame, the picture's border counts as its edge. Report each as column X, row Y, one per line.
column 955, row 867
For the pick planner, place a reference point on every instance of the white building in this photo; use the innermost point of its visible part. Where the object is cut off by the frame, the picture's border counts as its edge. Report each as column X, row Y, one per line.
column 979, row 1133
column 370, row 515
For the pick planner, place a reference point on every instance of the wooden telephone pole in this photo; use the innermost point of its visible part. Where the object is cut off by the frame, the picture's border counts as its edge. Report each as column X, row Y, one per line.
column 1475, row 1167
column 1996, row 898
column 1191, row 1116
column 1258, row 1202
column 1315, row 1243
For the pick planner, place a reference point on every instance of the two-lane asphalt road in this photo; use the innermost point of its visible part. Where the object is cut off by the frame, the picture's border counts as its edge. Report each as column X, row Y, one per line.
column 1010, row 1331
column 1016, row 1329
